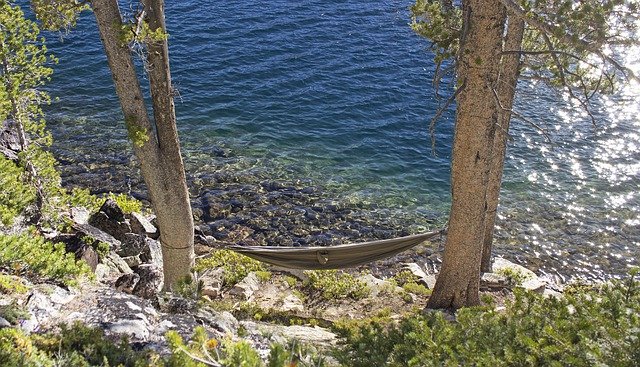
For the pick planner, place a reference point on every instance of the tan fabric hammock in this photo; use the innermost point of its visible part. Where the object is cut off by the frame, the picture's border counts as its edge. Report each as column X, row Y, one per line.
column 333, row 257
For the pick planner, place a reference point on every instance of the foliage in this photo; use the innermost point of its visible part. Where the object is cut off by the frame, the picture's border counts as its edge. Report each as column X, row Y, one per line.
column 597, row 327
column 75, row 346
column 14, row 312
column 416, row 288
column 333, row 284
column 236, row 266
column 226, row 352
column 32, row 255
column 10, row 284
column 513, row 276
column 58, row 15
column 405, row 276
column 189, row 287
column 567, row 44
column 15, row 197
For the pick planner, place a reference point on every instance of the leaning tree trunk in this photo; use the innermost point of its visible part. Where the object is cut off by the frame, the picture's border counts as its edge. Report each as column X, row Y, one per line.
column 508, row 79
column 477, row 114
column 156, row 146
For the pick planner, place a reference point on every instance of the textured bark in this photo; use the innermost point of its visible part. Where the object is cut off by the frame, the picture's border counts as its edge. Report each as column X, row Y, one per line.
column 508, row 79
column 173, row 208
column 156, row 144
column 476, row 118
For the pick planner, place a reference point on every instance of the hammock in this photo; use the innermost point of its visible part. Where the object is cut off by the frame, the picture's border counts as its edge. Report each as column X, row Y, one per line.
column 334, row 257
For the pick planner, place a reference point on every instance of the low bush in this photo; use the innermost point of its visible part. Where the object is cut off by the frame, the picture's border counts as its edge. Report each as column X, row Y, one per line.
column 333, row 284
column 236, row 266
column 599, row 326
column 32, row 255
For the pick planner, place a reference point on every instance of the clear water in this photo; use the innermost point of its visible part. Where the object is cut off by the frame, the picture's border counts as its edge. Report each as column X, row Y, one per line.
column 339, row 94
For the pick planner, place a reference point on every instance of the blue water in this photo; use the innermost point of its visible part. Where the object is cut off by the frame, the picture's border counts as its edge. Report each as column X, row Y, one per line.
column 338, row 93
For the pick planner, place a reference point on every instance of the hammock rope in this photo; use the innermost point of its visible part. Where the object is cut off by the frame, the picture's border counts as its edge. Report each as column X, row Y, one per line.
column 333, row 257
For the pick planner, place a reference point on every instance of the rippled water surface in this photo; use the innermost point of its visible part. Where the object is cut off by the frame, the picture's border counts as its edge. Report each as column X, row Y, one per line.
column 338, row 94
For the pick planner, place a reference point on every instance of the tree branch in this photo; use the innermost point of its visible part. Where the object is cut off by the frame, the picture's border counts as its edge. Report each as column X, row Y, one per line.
column 520, row 116
column 567, row 39
column 439, row 112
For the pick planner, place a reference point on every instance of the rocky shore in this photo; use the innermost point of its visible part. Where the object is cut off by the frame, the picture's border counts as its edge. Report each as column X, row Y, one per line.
column 126, row 299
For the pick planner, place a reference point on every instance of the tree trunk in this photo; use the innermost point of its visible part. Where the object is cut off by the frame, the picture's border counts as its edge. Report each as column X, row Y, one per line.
column 476, row 118
column 508, row 79
column 173, row 209
column 158, row 150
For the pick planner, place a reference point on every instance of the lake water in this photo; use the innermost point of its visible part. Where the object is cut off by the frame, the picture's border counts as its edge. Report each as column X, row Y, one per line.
column 338, row 95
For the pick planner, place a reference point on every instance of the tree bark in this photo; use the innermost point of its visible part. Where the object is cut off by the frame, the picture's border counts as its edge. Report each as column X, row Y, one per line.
column 476, row 118
column 173, row 210
column 155, row 145
column 507, row 82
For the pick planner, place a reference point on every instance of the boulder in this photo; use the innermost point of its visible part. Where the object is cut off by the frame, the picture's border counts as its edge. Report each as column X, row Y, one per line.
column 98, row 235
column 428, row 280
column 127, row 282
column 141, row 225
column 136, row 328
column 151, row 281
column 292, row 303
column 9, row 141
column 212, row 280
column 222, row 321
column 132, row 261
column 4, row 323
column 152, row 252
column 89, row 256
column 115, row 262
column 246, row 287
column 132, row 245
column 111, row 220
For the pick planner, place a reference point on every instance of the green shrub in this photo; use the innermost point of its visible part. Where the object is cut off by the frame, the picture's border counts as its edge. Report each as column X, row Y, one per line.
column 32, row 255
column 127, row 203
column 236, row 266
column 15, row 196
column 333, row 284
column 405, row 276
column 416, row 288
column 73, row 346
column 9, row 284
column 514, row 277
column 600, row 326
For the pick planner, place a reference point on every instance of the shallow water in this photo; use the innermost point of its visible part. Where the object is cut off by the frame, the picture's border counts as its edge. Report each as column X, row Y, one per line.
column 337, row 96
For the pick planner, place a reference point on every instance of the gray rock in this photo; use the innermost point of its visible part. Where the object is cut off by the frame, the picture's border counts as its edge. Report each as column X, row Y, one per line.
column 222, row 321
column 493, row 281
column 112, row 210
column 246, row 287
column 80, row 215
column 375, row 285
column 103, row 272
column 292, row 303
column 151, row 281
column 132, row 245
column 88, row 255
column 127, row 282
column 500, row 264
column 4, row 323
column 132, row 261
column 134, row 328
column 61, row 296
column 97, row 235
column 316, row 336
column 115, row 262
column 9, row 141
column 212, row 280
column 428, row 280
column 152, row 252
column 141, row 225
